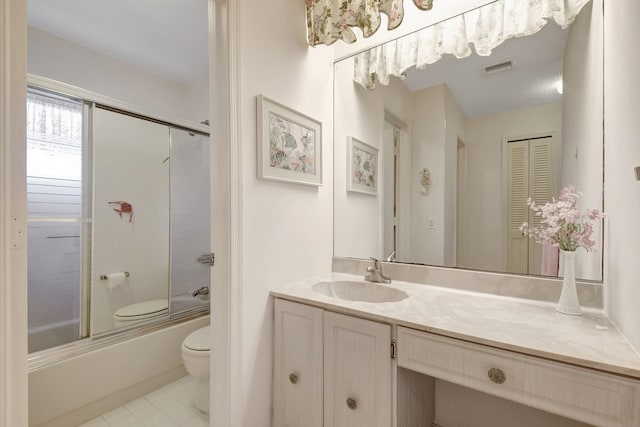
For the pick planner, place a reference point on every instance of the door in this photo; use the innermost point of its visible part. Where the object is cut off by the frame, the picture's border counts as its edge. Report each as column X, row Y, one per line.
column 297, row 372
column 357, row 372
column 530, row 175
column 131, row 202
column 190, row 221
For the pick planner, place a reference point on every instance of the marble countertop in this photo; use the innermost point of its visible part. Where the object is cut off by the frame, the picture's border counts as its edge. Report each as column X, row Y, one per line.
column 525, row 326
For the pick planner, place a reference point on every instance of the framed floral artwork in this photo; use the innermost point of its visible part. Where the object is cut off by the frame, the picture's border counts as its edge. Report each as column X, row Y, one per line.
column 289, row 144
column 362, row 167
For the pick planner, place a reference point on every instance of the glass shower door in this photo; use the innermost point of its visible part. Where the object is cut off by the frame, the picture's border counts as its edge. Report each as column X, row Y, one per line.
column 190, row 221
column 59, row 214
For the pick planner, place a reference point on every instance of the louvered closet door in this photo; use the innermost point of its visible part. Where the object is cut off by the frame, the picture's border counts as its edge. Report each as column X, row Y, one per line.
column 517, row 194
column 530, row 175
column 540, row 190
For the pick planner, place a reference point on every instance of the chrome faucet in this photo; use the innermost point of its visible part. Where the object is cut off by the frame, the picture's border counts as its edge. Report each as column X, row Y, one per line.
column 375, row 274
column 202, row 291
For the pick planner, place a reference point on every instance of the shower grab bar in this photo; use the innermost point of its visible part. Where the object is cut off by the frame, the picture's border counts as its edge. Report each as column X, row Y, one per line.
column 104, row 276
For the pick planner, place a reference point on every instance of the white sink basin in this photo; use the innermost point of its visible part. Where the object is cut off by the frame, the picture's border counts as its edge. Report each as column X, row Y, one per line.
column 359, row 291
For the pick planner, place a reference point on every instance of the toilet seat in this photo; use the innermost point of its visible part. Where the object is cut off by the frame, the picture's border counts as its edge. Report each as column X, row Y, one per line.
column 198, row 343
column 142, row 310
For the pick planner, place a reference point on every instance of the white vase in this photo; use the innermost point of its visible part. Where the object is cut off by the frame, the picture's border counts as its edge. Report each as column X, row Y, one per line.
column 569, row 303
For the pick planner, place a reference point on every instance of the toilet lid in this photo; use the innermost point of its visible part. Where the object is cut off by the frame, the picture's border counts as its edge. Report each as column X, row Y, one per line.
column 198, row 340
column 145, row 308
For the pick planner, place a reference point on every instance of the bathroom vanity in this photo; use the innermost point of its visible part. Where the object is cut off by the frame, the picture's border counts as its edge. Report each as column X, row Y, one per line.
column 353, row 353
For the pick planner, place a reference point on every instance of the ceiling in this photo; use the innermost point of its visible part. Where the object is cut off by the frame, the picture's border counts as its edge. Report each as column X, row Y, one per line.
column 538, row 68
column 168, row 38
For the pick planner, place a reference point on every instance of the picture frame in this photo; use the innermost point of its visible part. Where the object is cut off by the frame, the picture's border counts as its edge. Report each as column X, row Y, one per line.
column 362, row 167
column 289, row 144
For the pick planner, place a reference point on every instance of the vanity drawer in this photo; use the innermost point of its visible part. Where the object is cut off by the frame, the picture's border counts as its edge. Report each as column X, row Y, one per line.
column 581, row 394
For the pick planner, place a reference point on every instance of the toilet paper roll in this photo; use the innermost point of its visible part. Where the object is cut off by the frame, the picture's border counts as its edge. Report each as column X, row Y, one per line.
column 115, row 279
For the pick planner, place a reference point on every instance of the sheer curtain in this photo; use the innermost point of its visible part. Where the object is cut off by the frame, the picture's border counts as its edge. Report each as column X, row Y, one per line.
column 486, row 28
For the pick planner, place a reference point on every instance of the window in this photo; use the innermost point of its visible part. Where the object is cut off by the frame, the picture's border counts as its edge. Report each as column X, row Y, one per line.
column 58, row 209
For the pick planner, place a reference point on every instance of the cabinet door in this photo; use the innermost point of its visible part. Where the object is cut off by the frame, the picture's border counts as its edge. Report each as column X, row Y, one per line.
column 297, row 381
column 357, row 372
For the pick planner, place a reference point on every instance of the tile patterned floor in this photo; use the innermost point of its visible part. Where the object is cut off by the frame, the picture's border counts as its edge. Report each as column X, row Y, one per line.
column 167, row 406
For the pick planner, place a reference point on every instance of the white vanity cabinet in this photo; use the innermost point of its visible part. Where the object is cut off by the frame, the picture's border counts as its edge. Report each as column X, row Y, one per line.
column 357, row 372
column 454, row 364
column 330, row 369
column 596, row 398
column 297, row 368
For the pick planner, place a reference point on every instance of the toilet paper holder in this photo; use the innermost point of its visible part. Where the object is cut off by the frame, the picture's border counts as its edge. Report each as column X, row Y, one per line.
column 104, row 276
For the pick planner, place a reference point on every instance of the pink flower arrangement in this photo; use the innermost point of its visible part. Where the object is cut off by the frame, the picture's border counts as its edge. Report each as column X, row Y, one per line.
column 562, row 225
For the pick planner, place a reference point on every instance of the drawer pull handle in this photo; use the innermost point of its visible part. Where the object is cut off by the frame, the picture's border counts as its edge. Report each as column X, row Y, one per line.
column 352, row 404
column 497, row 375
column 293, row 378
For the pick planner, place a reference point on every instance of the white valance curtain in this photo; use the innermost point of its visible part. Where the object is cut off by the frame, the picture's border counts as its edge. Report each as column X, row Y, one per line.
column 331, row 20
column 486, row 28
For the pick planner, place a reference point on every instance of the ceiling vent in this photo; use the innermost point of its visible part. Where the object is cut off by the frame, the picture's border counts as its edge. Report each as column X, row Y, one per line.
column 502, row 67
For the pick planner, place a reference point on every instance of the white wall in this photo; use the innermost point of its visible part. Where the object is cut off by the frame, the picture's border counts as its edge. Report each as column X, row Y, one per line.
column 428, row 151
column 58, row 59
column 582, row 122
column 486, row 245
column 359, row 113
column 197, row 100
column 287, row 229
column 622, row 154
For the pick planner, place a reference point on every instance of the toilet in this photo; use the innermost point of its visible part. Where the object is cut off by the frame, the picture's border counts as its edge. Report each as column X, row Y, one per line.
column 141, row 311
column 196, row 350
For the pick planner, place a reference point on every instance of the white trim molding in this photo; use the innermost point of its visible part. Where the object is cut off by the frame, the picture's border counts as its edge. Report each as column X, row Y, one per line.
column 13, row 253
column 226, row 307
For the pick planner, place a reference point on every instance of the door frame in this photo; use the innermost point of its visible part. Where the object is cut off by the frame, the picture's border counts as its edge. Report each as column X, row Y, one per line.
column 226, row 212
column 224, row 71
column 462, row 187
column 13, row 253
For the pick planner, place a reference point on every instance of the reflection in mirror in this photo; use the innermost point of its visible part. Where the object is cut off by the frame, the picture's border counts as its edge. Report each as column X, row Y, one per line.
column 464, row 142
column 116, row 226
column 131, row 210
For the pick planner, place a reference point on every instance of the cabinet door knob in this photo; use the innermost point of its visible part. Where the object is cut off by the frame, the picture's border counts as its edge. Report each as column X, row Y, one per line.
column 497, row 375
column 351, row 403
column 293, row 378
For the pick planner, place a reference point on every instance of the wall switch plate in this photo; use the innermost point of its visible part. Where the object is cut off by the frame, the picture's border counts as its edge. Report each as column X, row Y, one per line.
column 431, row 223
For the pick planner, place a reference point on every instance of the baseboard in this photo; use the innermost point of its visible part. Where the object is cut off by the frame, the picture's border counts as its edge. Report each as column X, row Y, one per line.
column 106, row 404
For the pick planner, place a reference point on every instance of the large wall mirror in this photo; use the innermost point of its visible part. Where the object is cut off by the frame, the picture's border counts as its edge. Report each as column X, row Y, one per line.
column 457, row 145
column 118, row 166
